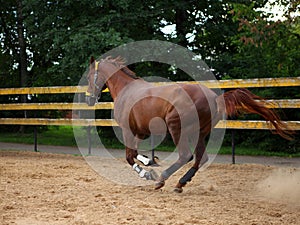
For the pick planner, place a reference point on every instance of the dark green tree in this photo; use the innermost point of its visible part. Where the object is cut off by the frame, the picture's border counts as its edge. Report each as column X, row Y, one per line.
column 267, row 48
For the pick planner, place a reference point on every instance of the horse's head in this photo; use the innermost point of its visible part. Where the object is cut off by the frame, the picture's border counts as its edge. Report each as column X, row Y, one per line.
column 96, row 83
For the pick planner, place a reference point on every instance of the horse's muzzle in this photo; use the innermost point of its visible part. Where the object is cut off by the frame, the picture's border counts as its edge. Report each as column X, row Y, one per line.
column 91, row 101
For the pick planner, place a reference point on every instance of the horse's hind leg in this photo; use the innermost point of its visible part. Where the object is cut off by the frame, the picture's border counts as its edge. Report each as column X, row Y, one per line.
column 201, row 159
column 185, row 156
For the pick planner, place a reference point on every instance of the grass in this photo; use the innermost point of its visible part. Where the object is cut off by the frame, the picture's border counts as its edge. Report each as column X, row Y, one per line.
column 60, row 136
column 241, row 150
column 64, row 136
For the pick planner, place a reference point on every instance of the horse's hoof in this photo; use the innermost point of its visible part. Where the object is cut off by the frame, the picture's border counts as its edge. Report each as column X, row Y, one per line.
column 159, row 185
column 178, row 190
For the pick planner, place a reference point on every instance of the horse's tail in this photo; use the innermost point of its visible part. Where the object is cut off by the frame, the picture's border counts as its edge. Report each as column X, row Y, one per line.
column 242, row 100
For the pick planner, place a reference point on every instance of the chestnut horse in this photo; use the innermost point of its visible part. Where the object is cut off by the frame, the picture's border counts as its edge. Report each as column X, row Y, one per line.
column 187, row 111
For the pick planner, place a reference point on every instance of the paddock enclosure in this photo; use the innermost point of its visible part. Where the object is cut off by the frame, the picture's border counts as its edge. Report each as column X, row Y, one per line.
column 42, row 188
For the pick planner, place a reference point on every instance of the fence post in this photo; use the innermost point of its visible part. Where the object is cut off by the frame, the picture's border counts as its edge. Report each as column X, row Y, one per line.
column 233, row 146
column 89, row 140
column 35, row 138
column 35, row 131
column 152, row 148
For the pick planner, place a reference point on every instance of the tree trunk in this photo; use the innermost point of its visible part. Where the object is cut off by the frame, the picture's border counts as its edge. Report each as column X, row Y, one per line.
column 181, row 18
column 181, row 26
column 22, row 53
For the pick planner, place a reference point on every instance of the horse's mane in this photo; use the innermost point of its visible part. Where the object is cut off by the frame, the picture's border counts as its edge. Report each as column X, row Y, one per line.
column 119, row 62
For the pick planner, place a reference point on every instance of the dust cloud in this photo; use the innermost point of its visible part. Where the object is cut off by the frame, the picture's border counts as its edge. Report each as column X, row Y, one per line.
column 282, row 185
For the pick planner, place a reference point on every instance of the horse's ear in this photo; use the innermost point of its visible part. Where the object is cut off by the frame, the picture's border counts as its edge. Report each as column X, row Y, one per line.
column 92, row 59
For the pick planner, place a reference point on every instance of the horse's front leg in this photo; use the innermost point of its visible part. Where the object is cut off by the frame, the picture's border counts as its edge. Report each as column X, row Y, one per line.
column 145, row 160
column 132, row 153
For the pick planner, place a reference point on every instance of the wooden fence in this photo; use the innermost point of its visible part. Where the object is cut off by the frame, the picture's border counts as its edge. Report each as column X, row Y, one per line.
column 223, row 84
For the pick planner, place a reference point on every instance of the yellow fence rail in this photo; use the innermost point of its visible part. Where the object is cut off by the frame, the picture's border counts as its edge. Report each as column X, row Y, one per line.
column 229, row 124
column 57, row 106
column 282, row 103
column 223, row 84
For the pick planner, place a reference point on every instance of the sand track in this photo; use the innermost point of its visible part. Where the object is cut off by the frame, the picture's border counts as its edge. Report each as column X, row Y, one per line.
column 42, row 188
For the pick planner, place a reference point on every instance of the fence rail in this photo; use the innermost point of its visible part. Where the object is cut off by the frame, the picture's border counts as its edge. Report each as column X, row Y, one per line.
column 222, row 84
column 57, row 106
column 229, row 124
column 281, row 103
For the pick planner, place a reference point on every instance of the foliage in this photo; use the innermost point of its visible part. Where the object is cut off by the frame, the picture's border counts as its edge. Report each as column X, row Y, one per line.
column 265, row 48
column 235, row 38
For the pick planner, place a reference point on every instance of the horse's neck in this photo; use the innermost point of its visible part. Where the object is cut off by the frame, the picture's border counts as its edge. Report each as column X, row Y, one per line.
column 117, row 82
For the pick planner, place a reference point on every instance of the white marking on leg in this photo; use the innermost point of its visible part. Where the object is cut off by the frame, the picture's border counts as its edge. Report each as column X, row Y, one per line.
column 139, row 170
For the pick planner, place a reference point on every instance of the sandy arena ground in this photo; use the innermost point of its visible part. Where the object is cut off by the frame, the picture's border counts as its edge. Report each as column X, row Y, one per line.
column 43, row 188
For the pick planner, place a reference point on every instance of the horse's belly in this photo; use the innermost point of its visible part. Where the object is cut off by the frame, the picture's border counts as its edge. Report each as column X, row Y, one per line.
column 149, row 123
